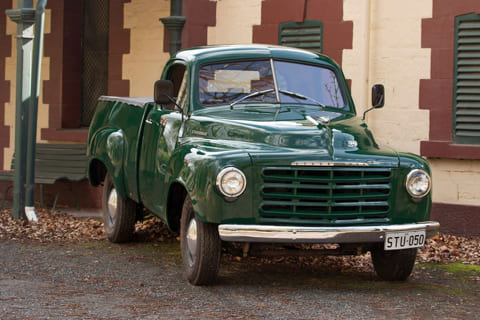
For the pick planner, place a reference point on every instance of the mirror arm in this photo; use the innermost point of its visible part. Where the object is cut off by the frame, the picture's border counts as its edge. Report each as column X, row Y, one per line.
column 365, row 112
column 174, row 102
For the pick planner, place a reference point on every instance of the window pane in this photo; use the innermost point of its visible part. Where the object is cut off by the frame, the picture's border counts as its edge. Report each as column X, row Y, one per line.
column 226, row 82
column 317, row 83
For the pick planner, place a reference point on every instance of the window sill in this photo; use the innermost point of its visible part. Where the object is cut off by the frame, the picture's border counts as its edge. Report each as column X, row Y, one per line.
column 70, row 135
column 449, row 150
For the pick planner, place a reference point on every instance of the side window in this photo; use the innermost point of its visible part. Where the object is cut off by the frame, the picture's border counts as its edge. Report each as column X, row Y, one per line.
column 182, row 92
column 466, row 92
column 306, row 35
column 178, row 75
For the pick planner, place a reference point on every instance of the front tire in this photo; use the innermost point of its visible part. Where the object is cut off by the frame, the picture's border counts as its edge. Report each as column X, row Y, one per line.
column 119, row 213
column 395, row 265
column 201, row 247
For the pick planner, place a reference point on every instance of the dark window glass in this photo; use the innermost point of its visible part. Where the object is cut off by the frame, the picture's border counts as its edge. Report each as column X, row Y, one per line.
column 95, row 29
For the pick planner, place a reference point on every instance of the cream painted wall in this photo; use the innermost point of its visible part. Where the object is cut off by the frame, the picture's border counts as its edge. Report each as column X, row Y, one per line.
column 356, row 61
column 10, row 75
column 387, row 49
column 456, row 181
column 145, row 62
column 235, row 21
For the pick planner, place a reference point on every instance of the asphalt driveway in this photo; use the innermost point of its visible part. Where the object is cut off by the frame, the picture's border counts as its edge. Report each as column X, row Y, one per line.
column 143, row 280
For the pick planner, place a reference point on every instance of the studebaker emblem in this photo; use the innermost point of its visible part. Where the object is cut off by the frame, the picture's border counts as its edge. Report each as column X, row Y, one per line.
column 329, row 164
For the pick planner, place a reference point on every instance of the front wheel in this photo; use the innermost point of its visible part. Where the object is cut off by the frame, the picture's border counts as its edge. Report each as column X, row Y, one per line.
column 395, row 265
column 119, row 213
column 201, row 247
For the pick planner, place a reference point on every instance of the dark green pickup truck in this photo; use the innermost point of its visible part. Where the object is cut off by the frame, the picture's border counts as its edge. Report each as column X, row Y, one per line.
column 258, row 145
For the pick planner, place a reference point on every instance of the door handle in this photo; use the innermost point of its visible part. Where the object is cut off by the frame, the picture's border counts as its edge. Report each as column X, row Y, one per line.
column 150, row 121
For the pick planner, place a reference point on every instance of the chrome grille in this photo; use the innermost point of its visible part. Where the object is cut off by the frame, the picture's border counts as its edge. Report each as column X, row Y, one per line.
column 325, row 195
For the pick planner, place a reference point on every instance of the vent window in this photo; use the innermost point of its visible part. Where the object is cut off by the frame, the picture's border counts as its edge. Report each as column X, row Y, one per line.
column 306, row 35
column 466, row 97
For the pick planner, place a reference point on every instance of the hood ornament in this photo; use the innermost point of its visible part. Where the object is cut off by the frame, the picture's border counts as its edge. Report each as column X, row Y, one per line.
column 323, row 120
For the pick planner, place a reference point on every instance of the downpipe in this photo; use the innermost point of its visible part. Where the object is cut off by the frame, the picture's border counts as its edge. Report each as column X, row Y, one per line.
column 33, row 110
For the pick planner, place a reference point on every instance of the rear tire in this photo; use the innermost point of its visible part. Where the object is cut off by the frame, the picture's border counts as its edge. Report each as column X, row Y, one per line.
column 201, row 247
column 119, row 214
column 395, row 265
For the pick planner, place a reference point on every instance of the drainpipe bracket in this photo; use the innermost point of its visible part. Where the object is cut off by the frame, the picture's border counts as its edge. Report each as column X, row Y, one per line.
column 173, row 23
column 25, row 15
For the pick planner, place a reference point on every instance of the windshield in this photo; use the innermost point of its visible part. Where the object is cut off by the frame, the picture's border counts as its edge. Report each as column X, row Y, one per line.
column 269, row 82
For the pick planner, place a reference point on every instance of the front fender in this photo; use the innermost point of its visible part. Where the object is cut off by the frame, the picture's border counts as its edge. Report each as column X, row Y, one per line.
column 197, row 170
column 408, row 209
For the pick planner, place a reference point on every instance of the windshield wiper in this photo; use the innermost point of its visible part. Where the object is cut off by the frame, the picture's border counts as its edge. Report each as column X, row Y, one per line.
column 301, row 96
column 288, row 93
column 251, row 95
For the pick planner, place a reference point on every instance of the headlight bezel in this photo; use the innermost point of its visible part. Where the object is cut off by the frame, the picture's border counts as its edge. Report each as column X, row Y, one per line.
column 410, row 181
column 220, row 182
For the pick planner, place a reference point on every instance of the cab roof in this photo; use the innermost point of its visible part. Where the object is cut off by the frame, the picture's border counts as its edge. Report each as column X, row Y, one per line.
column 252, row 51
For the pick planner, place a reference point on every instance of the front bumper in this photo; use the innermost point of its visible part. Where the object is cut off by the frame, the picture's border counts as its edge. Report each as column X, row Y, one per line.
column 289, row 234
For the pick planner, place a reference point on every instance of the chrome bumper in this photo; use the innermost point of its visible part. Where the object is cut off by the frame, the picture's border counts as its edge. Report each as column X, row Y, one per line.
column 289, row 234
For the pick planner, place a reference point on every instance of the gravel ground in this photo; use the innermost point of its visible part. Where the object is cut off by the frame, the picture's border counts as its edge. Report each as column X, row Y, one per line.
column 64, row 268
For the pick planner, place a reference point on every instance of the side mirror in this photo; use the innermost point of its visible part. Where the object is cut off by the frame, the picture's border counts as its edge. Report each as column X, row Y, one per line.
column 378, row 96
column 163, row 91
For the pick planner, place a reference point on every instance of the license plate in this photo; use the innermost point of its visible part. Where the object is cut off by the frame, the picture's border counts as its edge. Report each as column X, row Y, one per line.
column 404, row 239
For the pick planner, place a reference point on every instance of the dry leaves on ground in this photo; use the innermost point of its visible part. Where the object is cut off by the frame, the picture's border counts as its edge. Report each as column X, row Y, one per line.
column 60, row 227
column 51, row 227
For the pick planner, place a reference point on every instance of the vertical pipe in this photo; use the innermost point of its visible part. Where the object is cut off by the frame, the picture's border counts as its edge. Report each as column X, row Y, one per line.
column 174, row 25
column 24, row 17
column 33, row 108
column 176, row 8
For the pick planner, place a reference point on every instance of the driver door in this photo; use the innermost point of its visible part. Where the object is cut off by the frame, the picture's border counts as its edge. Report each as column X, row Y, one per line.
column 160, row 134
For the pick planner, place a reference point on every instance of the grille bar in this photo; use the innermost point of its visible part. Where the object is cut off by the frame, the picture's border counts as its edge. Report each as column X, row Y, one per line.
column 304, row 196
column 325, row 194
column 329, row 186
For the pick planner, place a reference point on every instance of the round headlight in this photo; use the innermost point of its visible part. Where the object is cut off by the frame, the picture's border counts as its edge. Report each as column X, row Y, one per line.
column 231, row 182
column 418, row 183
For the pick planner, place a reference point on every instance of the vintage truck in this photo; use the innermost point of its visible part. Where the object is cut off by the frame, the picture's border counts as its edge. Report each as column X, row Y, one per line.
column 255, row 145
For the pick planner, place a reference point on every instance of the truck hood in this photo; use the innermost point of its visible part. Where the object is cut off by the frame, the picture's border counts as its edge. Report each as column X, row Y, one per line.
column 304, row 135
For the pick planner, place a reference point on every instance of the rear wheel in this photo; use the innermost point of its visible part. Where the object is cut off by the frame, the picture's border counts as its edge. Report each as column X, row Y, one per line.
column 119, row 214
column 201, row 247
column 395, row 265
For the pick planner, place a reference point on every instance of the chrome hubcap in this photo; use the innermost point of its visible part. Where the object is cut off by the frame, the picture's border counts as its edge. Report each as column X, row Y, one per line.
column 112, row 205
column 192, row 241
